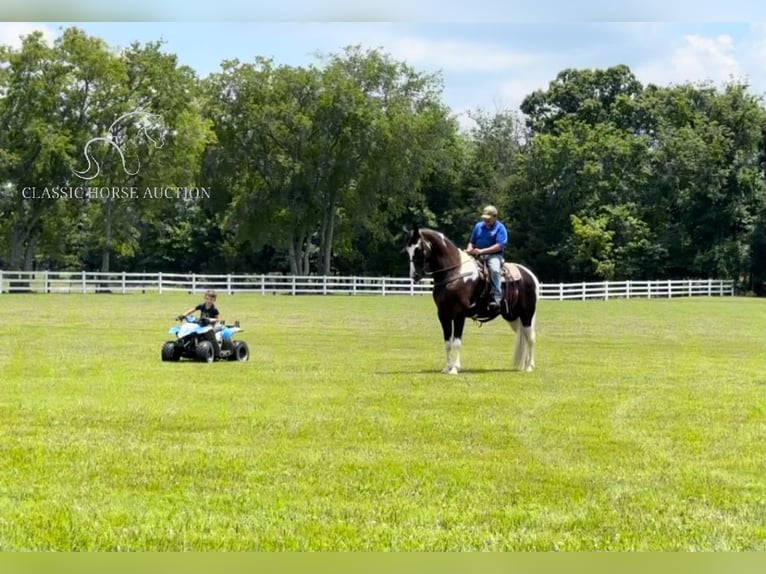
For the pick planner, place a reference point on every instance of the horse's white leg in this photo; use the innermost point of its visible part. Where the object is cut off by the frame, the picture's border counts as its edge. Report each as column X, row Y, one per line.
column 524, row 355
column 448, row 348
column 529, row 336
column 457, row 344
column 531, row 340
column 453, row 356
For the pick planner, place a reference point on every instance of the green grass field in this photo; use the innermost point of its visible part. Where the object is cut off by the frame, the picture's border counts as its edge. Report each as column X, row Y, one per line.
column 643, row 428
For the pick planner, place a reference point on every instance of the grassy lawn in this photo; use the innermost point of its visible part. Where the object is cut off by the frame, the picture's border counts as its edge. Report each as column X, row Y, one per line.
column 643, row 428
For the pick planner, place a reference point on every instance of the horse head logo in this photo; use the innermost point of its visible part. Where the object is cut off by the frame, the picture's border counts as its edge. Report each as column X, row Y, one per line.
column 150, row 126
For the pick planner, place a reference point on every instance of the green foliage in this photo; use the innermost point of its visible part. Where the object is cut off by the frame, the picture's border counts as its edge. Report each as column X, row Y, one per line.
column 321, row 156
column 316, row 169
column 592, row 247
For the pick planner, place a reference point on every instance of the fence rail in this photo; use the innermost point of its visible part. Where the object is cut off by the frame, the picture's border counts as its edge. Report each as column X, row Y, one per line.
column 122, row 282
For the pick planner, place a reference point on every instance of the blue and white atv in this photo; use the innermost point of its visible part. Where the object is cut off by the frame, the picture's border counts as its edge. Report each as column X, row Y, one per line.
column 191, row 343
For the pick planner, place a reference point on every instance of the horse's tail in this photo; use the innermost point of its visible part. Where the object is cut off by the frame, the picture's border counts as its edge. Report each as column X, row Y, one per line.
column 92, row 163
column 524, row 356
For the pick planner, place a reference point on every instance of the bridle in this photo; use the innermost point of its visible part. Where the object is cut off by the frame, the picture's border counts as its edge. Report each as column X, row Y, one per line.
column 419, row 259
column 430, row 273
column 442, row 270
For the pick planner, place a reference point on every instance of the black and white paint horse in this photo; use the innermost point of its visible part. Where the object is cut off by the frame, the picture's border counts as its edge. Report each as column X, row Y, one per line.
column 461, row 290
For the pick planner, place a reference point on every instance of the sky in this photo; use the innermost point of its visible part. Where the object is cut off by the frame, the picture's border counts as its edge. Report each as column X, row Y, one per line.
column 485, row 61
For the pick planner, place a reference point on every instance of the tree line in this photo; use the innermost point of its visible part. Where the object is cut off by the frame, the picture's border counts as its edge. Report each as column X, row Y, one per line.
column 316, row 169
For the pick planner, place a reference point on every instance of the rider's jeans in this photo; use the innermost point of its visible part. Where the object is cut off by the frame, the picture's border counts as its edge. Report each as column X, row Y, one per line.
column 495, row 263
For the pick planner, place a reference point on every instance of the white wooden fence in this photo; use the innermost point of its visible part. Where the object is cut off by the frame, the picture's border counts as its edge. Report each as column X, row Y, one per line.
column 121, row 282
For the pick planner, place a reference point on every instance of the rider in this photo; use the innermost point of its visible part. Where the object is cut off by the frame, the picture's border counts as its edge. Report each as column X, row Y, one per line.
column 488, row 239
column 209, row 315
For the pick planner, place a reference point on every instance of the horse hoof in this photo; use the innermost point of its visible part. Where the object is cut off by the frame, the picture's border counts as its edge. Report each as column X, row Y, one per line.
column 453, row 371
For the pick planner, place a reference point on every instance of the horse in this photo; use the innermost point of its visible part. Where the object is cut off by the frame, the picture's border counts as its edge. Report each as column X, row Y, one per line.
column 461, row 289
column 147, row 124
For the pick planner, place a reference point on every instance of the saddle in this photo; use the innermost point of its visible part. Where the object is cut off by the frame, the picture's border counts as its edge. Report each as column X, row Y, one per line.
column 509, row 284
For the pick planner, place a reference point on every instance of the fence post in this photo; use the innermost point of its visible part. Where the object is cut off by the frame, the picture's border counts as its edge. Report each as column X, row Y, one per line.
column 194, row 283
column 670, row 289
column 324, row 284
column 649, row 289
column 561, row 291
column 46, row 286
column 228, row 283
column 627, row 289
column 1, row 280
column 709, row 287
column 263, row 283
column 353, row 285
column 384, row 286
column 159, row 282
column 293, row 285
column 84, row 290
column 606, row 290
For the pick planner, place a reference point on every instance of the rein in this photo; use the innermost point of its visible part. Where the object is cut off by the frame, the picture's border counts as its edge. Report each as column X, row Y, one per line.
column 449, row 280
column 429, row 273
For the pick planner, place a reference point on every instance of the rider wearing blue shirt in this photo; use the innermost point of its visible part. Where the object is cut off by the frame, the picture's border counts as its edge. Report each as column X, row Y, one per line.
column 488, row 239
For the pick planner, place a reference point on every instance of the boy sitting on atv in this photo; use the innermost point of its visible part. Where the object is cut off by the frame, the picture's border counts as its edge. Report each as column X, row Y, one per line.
column 209, row 315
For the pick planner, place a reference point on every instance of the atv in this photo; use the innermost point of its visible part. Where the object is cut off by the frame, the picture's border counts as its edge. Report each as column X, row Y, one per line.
column 190, row 342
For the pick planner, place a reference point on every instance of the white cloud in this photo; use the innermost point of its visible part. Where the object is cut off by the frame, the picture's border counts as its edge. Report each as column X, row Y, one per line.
column 454, row 55
column 514, row 91
column 425, row 50
column 697, row 59
column 11, row 32
column 712, row 58
column 754, row 56
column 475, row 70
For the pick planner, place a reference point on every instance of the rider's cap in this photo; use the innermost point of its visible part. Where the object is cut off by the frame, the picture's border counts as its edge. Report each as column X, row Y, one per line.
column 489, row 211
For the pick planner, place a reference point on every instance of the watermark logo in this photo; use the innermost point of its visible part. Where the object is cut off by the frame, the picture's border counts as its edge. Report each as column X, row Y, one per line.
column 150, row 126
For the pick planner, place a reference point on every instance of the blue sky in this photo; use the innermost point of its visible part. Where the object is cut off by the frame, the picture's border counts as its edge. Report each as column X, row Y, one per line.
column 490, row 65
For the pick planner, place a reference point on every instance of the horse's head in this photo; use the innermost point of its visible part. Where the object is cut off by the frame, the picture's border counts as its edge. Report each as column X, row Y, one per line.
column 419, row 251
column 140, row 124
column 153, row 128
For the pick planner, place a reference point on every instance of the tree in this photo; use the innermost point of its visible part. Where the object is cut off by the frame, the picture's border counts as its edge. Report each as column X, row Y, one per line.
column 33, row 143
column 313, row 154
column 589, row 96
column 707, row 186
column 136, row 119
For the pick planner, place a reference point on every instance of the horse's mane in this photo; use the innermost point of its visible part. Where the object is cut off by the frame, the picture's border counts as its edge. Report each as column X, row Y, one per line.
column 433, row 235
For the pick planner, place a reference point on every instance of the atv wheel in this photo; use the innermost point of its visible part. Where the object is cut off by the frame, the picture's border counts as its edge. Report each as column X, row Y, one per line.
column 240, row 352
column 204, row 352
column 170, row 352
